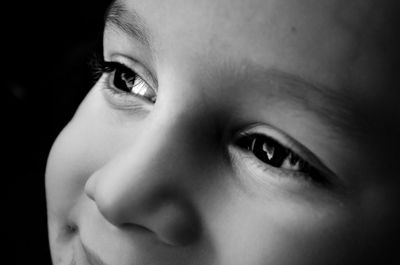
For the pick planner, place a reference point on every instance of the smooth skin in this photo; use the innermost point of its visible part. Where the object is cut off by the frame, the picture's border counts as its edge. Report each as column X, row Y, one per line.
column 164, row 183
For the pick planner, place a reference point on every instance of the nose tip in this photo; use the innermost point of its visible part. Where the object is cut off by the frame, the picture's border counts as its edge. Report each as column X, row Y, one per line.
column 169, row 217
column 148, row 184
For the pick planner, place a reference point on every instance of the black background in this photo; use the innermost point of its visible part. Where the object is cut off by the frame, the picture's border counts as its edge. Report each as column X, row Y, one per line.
column 46, row 47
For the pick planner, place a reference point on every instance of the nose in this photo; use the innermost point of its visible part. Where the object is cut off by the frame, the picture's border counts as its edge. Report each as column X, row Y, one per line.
column 146, row 186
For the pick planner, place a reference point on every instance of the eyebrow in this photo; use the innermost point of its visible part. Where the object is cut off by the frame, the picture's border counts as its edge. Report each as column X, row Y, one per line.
column 336, row 106
column 127, row 21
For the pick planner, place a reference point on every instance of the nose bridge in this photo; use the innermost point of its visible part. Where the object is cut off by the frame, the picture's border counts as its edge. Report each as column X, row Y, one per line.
column 146, row 184
column 144, row 173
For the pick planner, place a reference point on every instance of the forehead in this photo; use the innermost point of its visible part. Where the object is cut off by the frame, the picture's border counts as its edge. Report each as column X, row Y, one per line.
column 322, row 38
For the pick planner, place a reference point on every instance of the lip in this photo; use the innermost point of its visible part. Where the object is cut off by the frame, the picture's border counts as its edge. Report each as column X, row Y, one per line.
column 92, row 257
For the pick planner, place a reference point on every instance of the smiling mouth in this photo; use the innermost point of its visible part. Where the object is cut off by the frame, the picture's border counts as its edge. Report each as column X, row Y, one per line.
column 92, row 257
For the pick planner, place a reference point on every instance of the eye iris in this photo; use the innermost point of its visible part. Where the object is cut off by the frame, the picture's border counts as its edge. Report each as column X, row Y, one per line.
column 268, row 151
column 124, row 80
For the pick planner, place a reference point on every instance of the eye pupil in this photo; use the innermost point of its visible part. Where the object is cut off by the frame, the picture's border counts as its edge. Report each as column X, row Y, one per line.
column 124, row 80
column 269, row 151
column 264, row 148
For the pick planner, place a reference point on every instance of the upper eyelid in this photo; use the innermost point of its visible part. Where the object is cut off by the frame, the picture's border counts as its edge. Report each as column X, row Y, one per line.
column 136, row 67
column 278, row 135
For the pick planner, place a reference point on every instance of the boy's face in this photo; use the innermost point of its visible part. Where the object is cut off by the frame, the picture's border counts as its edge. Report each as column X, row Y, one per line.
column 247, row 143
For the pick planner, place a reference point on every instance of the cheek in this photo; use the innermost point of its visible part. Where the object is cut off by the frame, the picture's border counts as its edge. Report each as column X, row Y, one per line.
column 81, row 148
column 277, row 231
column 70, row 162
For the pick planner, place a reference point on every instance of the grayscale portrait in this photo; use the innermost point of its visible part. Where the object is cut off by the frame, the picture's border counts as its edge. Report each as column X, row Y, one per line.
column 213, row 132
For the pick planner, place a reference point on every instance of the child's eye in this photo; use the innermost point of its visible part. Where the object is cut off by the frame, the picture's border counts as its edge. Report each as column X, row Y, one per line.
column 273, row 154
column 124, row 80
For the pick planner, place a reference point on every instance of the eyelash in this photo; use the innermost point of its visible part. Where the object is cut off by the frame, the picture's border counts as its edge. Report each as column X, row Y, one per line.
column 121, row 74
column 272, row 155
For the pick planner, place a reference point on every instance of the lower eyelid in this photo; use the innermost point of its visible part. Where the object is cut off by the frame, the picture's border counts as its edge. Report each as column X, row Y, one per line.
column 240, row 157
column 265, row 173
column 120, row 102
column 279, row 172
column 250, row 172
